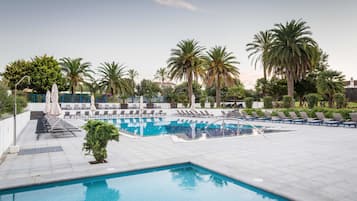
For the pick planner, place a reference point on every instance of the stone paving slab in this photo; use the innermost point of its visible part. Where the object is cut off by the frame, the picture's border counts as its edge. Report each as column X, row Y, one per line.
column 307, row 163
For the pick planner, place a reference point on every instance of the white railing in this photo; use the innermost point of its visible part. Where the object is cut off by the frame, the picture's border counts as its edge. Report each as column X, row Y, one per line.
column 7, row 129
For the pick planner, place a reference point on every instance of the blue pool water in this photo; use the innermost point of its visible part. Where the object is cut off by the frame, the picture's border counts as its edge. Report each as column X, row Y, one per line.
column 161, row 126
column 185, row 182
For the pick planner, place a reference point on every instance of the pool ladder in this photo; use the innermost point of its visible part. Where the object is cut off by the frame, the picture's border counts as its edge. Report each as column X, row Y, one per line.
column 256, row 129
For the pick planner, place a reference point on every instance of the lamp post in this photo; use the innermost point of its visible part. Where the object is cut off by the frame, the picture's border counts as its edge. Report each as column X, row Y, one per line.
column 14, row 148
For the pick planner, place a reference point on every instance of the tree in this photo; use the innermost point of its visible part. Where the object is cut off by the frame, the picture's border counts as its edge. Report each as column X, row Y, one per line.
column 148, row 89
column 259, row 49
column 186, row 62
column 132, row 74
column 112, row 78
column 329, row 83
column 161, row 74
column 292, row 52
column 221, row 70
column 14, row 71
column 75, row 71
column 43, row 70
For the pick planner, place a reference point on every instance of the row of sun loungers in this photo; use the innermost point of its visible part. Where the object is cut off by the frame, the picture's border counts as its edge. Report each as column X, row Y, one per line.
column 55, row 126
column 113, row 114
column 320, row 119
column 194, row 113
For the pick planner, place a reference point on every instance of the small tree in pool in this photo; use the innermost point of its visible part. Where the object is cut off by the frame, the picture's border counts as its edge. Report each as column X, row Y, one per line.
column 96, row 140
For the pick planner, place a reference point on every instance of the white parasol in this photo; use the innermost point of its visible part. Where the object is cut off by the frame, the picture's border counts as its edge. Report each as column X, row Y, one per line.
column 92, row 103
column 193, row 102
column 48, row 102
column 55, row 108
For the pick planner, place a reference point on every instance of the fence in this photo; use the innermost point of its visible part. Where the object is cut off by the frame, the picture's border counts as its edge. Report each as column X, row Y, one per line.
column 7, row 129
column 85, row 98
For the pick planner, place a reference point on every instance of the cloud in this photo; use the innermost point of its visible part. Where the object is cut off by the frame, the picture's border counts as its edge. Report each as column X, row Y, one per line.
column 177, row 4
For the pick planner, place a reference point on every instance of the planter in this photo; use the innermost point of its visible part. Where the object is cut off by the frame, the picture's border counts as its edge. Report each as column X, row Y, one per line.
column 173, row 105
column 124, row 106
column 149, row 105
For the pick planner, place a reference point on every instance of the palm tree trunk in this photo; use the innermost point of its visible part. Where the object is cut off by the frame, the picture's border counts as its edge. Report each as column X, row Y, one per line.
column 290, row 82
column 218, row 93
column 189, row 83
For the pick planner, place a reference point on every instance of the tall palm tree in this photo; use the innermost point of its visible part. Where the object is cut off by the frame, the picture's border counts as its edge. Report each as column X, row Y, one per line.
column 292, row 52
column 75, row 71
column 184, row 62
column 113, row 78
column 259, row 49
column 133, row 74
column 161, row 74
column 221, row 70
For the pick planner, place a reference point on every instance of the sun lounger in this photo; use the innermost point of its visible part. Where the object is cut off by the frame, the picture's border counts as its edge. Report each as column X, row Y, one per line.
column 67, row 114
column 78, row 115
column 326, row 121
column 353, row 121
column 208, row 114
column 96, row 114
column 55, row 126
column 246, row 116
column 309, row 120
column 295, row 118
column 86, row 115
column 283, row 117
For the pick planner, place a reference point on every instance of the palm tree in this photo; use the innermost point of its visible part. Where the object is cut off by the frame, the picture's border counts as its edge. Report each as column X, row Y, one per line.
column 330, row 82
column 259, row 49
column 184, row 62
column 113, row 78
column 161, row 74
column 221, row 70
column 132, row 74
column 292, row 52
column 75, row 71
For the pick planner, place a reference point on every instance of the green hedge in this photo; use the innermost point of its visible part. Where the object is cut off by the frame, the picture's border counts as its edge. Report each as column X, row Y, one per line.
column 248, row 102
column 268, row 102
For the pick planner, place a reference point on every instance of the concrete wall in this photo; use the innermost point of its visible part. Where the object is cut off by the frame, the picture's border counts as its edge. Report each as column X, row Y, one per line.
column 7, row 129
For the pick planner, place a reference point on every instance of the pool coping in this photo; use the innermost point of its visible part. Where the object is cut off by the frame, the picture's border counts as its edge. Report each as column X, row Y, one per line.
column 106, row 171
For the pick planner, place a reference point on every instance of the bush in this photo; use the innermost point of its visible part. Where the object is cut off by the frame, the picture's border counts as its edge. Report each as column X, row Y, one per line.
column 258, row 111
column 268, row 102
column 311, row 112
column 340, row 100
column 202, row 101
column 288, row 101
column 98, row 135
column 248, row 102
column 211, row 101
column 312, row 100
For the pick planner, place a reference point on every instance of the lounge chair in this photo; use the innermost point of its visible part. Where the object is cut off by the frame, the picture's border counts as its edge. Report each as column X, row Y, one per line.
column 114, row 114
column 337, row 117
column 152, row 113
column 309, row 120
column 131, row 113
column 353, row 121
column 246, row 116
column 67, row 114
column 284, row 118
column 257, row 117
column 326, row 121
column 161, row 113
column 86, row 115
column 122, row 113
column 55, row 126
column 96, row 114
column 295, row 118
column 105, row 114
column 76, row 107
column 137, row 113
column 78, row 115
column 84, row 106
column 208, row 114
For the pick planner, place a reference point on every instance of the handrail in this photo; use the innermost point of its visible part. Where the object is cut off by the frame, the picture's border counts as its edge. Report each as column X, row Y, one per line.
column 259, row 130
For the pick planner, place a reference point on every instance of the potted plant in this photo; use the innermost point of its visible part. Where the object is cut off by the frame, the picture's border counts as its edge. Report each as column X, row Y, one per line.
column 98, row 135
column 211, row 101
column 203, row 101
column 124, row 104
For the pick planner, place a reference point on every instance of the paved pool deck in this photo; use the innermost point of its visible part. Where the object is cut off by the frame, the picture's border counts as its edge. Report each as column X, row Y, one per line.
column 307, row 163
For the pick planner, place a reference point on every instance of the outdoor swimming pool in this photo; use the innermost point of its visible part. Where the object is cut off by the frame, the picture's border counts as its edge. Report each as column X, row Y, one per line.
column 184, row 182
column 190, row 128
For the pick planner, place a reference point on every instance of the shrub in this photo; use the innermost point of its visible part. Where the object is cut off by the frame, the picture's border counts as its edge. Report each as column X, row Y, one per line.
column 288, row 101
column 98, row 135
column 312, row 100
column 258, row 111
column 339, row 100
column 202, row 101
column 268, row 102
column 211, row 101
column 248, row 102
